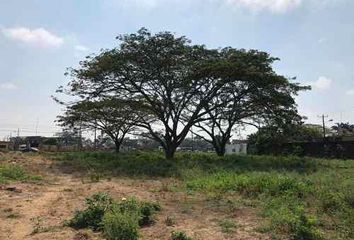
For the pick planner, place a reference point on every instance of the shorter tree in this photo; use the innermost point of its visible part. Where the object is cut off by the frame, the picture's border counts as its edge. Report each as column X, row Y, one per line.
column 253, row 92
column 111, row 116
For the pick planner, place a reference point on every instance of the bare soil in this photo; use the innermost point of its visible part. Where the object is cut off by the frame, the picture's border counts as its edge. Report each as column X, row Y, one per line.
column 39, row 210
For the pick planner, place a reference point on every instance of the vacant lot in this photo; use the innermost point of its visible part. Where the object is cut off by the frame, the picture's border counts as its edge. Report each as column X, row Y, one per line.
column 236, row 197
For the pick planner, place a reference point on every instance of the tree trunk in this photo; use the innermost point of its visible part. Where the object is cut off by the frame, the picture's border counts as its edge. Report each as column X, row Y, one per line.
column 220, row 150
column 170, row 151
column 117, row 148
column 219, row 147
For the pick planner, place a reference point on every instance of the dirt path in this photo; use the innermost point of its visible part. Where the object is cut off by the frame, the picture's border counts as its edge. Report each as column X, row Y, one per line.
column 39, row 210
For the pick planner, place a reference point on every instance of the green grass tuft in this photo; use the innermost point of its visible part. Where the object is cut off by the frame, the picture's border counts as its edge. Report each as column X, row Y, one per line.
column 11, row 173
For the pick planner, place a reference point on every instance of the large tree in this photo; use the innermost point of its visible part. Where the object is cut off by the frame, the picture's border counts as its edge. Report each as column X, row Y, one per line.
column 257, row 95
column 175, row 84
column 111, row 116
column 161, row 74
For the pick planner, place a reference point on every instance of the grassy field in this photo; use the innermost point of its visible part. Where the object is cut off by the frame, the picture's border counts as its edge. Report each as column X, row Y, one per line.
column 13, row 173
column 297, row 198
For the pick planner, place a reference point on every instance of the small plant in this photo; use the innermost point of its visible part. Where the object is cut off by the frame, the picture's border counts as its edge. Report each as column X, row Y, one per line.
column 144, row 210
column 147, row 212
column 92, row 217
column 170, row 221
column 227, row 226
column 37, row 225
column 118, row 220
column 177, row 235
column 94, row 175
column 120, row 226
column 13, row 215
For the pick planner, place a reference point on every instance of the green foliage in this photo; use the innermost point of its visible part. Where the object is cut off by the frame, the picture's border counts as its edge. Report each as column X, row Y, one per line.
column 287, row 217
column 92, row 216
column 151, row 72
column 15, row 173
column 118, row 220
column 250, row 184
column 142, row 164
column 271, row 140
column 120, row 226
column 227, row 226
column 177, row 235
column 144, row 211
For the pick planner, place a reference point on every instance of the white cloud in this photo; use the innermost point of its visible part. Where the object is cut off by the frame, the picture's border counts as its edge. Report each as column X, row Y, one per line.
column 7, row 86
column 322, row 40
column 322, row 83
column 276, row 6
column 81, row 48
column 350, row 92
column 39, row 36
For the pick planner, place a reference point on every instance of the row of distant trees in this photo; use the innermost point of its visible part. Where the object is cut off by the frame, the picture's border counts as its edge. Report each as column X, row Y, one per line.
column 161, row 86
column 270, row 138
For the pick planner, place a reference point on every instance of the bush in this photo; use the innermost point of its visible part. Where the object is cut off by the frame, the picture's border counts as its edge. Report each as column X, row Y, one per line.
column 118, row 220
column 120, row 226
column 92, row 216
column 179, row 236
column 145, row 211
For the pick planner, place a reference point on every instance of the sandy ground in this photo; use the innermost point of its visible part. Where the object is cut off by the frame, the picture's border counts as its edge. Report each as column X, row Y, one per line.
column 39, row 209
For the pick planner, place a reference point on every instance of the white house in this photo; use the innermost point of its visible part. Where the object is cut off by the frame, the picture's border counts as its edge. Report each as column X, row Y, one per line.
column 236, row 147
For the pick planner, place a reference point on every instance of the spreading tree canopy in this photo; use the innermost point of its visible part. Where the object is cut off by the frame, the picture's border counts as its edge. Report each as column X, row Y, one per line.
column 253, row 94
column 174, row 85
column 111, row 116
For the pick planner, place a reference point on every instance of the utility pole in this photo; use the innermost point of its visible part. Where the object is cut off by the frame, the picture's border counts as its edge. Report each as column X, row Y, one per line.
column 324, row 125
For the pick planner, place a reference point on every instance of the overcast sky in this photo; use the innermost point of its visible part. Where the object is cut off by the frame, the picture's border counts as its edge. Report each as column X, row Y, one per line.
column 39, row 39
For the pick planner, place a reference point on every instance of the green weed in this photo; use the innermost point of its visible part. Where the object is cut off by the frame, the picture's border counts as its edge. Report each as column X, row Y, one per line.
column 9, row 173
column 177, row 235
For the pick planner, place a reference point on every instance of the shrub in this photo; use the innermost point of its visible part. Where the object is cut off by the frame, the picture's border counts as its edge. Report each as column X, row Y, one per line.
column 118, row 220
column 92, row 216
column 120, row 226
column 179, row 236
column 144, row 210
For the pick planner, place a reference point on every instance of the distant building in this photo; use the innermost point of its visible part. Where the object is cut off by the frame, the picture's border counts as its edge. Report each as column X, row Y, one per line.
column 236, row 147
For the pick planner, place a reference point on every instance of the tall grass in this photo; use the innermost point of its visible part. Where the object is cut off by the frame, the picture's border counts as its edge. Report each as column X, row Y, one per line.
column 153, row 164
